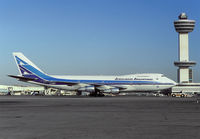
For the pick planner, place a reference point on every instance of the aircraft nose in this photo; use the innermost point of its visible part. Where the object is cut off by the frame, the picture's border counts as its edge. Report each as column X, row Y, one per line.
column 173, row 82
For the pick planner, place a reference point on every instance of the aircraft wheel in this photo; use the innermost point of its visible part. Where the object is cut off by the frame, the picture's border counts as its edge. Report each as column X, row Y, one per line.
column 182, row 95
column 173, row 95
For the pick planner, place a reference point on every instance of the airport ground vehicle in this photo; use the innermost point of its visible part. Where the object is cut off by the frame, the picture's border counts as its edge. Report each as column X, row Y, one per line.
column 183, row 94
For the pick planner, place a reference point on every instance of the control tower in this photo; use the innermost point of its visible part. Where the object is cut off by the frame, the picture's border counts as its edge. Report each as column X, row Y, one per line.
column 183, row 26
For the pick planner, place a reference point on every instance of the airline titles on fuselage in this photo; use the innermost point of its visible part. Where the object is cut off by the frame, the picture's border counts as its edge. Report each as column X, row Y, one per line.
column 133, row 78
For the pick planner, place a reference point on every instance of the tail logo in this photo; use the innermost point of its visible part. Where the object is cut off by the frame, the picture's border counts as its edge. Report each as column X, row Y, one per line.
column 20, row 62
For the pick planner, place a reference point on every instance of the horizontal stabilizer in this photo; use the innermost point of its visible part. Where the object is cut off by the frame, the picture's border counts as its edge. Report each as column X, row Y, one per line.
column 21, row 78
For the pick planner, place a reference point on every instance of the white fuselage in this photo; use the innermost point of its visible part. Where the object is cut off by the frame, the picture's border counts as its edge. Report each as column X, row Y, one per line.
column 135, row 82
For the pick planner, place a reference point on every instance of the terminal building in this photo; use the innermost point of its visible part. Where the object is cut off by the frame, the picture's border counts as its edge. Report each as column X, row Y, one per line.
column 21, row 90
column 32, row 90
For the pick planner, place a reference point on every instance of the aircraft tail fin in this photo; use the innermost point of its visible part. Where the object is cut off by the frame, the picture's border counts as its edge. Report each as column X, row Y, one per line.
column 23, row 61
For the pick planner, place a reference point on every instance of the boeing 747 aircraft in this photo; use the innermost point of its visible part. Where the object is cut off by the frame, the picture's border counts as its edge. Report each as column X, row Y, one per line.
column 95, row 85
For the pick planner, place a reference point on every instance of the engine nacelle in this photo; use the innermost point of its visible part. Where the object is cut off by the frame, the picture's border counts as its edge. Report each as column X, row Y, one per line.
column 112, row 91
column 87, row 89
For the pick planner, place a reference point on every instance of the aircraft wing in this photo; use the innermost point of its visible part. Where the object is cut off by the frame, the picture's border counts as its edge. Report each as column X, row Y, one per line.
column 104, row 87
column 91, row 86
column 66, row 83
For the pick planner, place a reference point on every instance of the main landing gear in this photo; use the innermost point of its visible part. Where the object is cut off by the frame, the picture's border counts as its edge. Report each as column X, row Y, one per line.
column 92, row 94
column 96, row 94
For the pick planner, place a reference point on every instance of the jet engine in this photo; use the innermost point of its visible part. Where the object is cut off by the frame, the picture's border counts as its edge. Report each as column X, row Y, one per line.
column 112, row 91
column 87, row 89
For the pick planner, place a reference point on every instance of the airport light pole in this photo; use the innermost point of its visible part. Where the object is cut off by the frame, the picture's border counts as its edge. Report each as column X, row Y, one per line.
column 183, row 26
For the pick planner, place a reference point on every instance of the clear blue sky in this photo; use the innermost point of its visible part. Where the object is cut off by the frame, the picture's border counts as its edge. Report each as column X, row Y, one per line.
column 89, row 37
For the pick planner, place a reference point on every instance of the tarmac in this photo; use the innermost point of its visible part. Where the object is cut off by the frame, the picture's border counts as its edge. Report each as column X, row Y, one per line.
column 41, row 117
